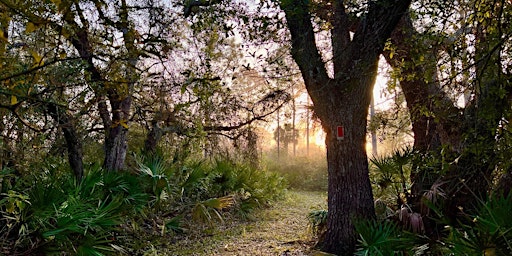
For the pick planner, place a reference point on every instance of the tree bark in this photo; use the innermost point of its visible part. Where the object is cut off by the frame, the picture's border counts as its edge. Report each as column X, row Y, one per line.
column 116, row 141
column 417, row 91
column 415, row 60
column 434, row 117
column 343, row 101
column 153, row 137
column 73, row 140
column 350, row 194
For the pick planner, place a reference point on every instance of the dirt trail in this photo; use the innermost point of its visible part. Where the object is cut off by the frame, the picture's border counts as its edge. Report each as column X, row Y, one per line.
column 280, row 230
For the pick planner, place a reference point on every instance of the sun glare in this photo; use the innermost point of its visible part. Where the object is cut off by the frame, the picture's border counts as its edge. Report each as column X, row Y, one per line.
column 319, row 138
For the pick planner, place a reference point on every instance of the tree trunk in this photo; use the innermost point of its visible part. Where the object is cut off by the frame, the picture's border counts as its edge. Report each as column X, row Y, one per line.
column 153, row 137
column 505, row 184
column 469, row 136
column 116, row 141
column 343, row 100
column 417, row 89
column 73, row 141
column 420, row 86
column 350, row 194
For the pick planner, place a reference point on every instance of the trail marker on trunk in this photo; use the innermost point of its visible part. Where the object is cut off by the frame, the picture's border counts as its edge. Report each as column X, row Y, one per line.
column 340, row 133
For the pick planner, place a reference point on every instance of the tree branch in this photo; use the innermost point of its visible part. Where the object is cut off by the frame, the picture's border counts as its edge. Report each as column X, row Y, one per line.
column 38, row 67
column 190, row 4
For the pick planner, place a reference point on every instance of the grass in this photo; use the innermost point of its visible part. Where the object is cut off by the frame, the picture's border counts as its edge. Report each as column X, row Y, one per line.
column 301, row 173
column 282, row 228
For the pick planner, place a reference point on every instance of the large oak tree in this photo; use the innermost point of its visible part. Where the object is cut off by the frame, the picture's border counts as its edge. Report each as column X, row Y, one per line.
column 343, row 100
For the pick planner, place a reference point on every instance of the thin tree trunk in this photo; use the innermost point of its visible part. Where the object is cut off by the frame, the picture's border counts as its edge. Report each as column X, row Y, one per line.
column 73, row 140
column 153, row 137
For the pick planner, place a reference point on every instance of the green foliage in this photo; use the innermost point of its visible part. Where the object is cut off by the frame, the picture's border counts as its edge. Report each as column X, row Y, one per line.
column 208, row 210
column 225, row 176
column 250, row 187
column 7, row 177
column 302, row 173
column 390, row 174
column 318, row 221
column 55, row 213
column 489, row 233
column 174, row 225
column 383, row 238
column 155, row 174
column 50, row 212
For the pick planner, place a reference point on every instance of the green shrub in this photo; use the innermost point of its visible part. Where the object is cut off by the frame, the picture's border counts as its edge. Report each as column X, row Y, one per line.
column 50, row 212
column 384, row 238
column 489, row 232
column 192, row 185
column 390, row 175
column 318, row 221
column 251, row 187
column 54, row 213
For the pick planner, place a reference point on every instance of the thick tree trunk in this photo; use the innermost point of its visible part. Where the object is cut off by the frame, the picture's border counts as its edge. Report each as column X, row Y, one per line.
column 116, row 141
column 115, row 134
column 350, row 195
column 343, row 101
column 428, row 107
column 469, row 136
column 115, row 120
column 419, row 92
column 115, row 149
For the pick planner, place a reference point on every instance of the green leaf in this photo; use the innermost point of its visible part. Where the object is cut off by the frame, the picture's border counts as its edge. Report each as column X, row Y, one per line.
column 38, row 59
column 123, row 124
column 56, row 2
column 2, row 36
column 30, row 27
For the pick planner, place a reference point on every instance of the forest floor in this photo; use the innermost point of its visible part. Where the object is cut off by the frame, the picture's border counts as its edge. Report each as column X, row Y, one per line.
column 282, row 229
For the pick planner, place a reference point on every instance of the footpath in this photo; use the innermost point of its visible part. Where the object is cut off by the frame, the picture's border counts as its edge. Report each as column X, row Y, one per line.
column 280, row 230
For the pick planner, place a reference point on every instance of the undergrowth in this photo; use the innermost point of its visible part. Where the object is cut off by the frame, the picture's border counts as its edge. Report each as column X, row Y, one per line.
column 302, row 173
column 49, row 212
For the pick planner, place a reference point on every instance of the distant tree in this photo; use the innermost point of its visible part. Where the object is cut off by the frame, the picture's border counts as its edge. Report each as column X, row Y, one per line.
column 286, row 136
